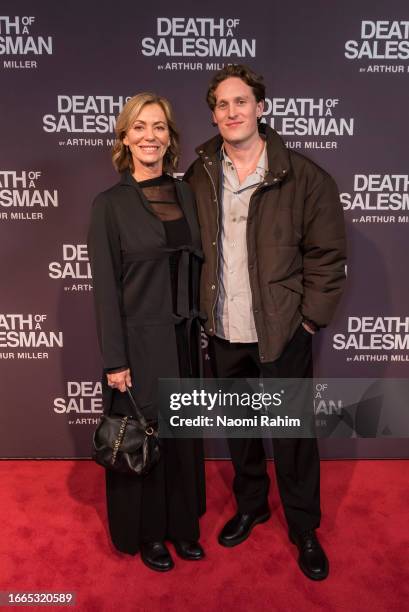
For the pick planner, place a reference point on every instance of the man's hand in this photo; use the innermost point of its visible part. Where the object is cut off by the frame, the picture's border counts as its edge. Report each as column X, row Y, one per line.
column 308, row 328
column 120, row 380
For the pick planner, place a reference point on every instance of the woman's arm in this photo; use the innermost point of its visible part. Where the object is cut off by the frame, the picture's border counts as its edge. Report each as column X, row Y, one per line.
column 105, row 259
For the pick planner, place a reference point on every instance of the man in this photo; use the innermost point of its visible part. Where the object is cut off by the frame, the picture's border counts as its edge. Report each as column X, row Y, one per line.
column 273, row 237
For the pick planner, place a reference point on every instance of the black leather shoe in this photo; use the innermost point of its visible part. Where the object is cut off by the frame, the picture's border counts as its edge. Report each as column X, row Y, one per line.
column 312, row 558
column 156, row 556
column 238, row 528
column 192, row 551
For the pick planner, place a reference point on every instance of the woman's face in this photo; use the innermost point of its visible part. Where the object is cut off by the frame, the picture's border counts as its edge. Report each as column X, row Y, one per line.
column 148, row 137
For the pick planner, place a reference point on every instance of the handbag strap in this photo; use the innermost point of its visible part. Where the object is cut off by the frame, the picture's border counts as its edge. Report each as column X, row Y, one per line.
column 138, row 411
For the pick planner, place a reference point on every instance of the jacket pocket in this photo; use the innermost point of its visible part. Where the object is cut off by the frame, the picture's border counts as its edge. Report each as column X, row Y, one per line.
column 286, row 296
column 292, row 284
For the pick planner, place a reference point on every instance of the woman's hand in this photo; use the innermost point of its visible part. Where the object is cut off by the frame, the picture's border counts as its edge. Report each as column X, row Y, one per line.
column 120, row 380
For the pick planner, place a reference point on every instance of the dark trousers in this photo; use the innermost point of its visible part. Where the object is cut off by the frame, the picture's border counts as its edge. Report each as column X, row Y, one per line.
column 297, row 461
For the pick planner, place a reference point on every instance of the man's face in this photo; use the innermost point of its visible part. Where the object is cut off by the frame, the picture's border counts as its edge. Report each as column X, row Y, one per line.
column 236, row 111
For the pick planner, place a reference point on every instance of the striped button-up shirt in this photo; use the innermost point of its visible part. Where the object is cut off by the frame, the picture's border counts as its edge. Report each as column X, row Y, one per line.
column 234, row 311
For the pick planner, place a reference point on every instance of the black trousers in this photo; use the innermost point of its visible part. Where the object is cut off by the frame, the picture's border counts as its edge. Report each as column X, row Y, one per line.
column 296, row 461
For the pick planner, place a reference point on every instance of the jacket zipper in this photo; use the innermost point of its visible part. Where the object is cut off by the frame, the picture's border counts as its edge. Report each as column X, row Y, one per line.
column 217, row 247
column 259, row 188
column 251, row 201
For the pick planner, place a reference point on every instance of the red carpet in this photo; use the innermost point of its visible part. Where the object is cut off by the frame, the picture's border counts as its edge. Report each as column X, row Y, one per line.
column 54, row 538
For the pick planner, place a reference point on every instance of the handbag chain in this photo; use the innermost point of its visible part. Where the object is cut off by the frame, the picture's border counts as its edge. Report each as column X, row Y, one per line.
column 119, row 439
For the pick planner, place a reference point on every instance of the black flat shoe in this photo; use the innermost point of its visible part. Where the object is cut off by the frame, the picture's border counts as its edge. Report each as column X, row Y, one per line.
column 238, row 529
column 312, row 558
column 191, row 551
column 156, row 556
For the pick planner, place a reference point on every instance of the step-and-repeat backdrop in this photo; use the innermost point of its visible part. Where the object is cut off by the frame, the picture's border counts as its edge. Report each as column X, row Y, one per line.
column 337, row 83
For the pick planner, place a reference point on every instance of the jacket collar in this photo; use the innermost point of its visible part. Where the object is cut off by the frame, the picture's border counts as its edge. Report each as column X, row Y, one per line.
column 184, row 202
column 277, row 153
column 128, row 179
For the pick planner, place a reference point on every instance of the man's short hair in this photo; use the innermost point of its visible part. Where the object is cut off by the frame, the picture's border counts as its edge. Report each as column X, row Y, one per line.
column 253, row 80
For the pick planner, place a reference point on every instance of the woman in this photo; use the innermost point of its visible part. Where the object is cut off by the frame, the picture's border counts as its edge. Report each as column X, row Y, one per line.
column 144, row 247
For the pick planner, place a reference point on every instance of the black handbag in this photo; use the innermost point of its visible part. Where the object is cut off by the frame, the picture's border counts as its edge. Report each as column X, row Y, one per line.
column 126, row 444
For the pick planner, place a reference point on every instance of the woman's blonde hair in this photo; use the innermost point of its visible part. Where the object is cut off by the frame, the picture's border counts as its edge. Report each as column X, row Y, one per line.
column 121, row 156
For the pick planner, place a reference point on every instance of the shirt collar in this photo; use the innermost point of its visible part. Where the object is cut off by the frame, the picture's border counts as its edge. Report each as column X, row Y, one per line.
column 262, row 163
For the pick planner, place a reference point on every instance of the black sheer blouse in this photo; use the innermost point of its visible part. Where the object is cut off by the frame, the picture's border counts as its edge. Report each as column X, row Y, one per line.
column 161, row 194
